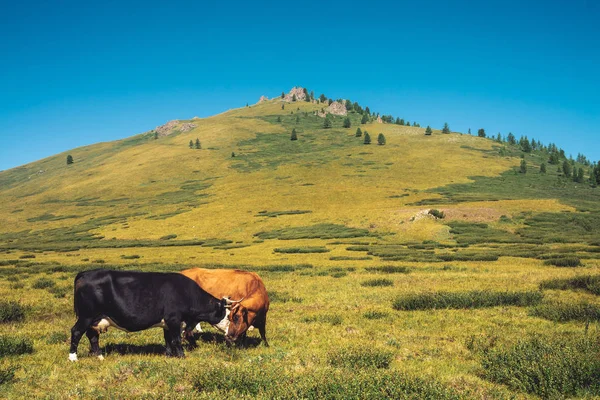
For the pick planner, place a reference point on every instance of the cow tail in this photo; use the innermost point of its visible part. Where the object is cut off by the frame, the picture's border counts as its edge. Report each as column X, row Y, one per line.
column 76, row 299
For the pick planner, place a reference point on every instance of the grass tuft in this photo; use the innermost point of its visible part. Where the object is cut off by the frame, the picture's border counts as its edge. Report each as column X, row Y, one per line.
column 11, row 346
column 563, row 312
column 389, row 269
column 589, row 283
column 564, row 262
column 360, row 357
column 43, row 283
column 466, row 300
column 11, row 311
column 377, row 282
column 301, row 250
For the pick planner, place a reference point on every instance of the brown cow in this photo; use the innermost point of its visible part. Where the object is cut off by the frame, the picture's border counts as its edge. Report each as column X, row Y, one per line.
column 236, row 284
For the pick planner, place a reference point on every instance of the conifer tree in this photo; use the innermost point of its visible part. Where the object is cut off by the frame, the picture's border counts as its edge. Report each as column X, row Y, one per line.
column 511, row 138
column 347, row 123
column 294, row 136
column 232, row 154
column 407, row 123
column 499, row 138
column 367, row 138
column 446, row 128
column 322, row 98
column 523, row 168
column 566, row 168
column 364, row 119
column 543, row 168
column 579, row 178
column 358, row 132
column 283, row 106
column 481, row 132
column 380, row 139
column 367, row 110
column 69, row 159
column 198, row 146
column 278, row 118
column 469, row 131
column 297, row 119
column 428, row 131
column 282, row 95
column 294, row 98
column 191, row 144
column 327, row 123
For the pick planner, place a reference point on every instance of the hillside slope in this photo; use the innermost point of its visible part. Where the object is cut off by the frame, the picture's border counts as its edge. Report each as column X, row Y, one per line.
column 153, row 186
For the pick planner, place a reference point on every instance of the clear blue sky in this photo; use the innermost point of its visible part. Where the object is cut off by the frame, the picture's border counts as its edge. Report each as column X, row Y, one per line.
column 76, row 73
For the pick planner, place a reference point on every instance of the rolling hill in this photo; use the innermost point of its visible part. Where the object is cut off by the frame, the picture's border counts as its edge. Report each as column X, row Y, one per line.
column 448, row 223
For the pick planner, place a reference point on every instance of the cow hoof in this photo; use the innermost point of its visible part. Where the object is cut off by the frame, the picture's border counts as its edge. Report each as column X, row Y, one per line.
column 73, row 357
column 101, row 357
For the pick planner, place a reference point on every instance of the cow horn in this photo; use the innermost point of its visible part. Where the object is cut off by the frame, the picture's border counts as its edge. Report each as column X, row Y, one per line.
column 231, row 302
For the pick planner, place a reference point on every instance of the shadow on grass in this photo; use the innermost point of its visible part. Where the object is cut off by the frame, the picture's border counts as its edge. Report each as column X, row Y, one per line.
column 127, row 349
column 219, row 338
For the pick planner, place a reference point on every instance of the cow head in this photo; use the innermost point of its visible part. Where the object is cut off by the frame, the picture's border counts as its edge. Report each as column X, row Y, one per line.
column 239, row 322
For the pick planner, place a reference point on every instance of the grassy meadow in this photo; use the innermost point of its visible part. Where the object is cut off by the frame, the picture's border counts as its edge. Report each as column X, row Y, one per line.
column 371, row 296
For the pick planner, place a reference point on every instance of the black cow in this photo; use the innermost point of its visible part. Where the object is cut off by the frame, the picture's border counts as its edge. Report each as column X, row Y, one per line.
column 134, row 301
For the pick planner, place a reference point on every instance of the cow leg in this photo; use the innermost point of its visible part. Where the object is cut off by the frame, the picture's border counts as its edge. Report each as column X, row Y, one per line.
column 262, row 329
column 94, row 337
column 77, row 331
column 175, row 336
column 188, row 333
column 167, row 335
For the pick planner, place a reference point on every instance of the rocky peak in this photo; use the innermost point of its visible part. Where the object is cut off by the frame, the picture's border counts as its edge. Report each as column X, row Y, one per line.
column 173, row 126
column 379, row 120
column 298, row 92
column 263, row 98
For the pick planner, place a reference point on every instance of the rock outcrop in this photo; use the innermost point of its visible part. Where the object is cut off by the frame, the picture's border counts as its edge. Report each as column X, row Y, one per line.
column 337, row 108
column 296, row 91
column 379, row 120
column 174, row 126
column 263, row 98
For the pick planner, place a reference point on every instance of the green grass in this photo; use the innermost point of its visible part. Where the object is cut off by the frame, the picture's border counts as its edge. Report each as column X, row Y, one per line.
column 7, row 374
column 11, row 311
column 268, row 382
column 273, row 214
column 466, row 300
column 550, row 367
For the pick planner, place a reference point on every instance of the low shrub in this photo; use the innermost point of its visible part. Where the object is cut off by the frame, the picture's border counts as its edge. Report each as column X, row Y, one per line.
column 349, row 258
column 389, row 269
column 563, row 312
column 11, row 311
column 373, row 314
column 59, row 291
column 301, row 250
column 377, row 282
column 24, row 256
column 11, row 346
column 437, row 213
column 43, row 283
column 57, row 338
column 589, row 283
column 360, row 357
column 283, row 297
column 466, row 300
column 131, row 257
column 168, row 237
column 339, row 274
column 548, row 367
column 7, row 374
column 564, row 262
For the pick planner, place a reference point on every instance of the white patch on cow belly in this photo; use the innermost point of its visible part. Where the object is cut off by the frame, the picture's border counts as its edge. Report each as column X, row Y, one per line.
column 224, row 323
column 73, row 357
column 198, row 328
column 103, row 325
